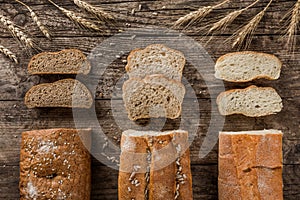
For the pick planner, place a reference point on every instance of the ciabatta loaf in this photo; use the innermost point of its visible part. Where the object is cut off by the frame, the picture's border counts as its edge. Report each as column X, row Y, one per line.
column 252, row 101
column 155, row 166
column 154, row 96
column 63, row 93
column 246, row 66
column 68, row 61
column 155, row 59
column 250, row 165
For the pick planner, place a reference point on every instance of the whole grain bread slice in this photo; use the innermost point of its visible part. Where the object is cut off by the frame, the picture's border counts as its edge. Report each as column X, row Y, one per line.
column 155, row 59
column 68, row 61
column 63, row 93
column 154, row 96
column 246, row 66
column 252, row 101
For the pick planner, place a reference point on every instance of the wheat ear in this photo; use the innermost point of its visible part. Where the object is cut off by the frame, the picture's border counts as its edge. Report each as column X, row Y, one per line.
column 96, row 11
column 16, row 31
column 196, row 16
column 77, row 19
column 228, row 19
column 36, row 20
column 246, row 31
column 293, row 26
column 8, row 53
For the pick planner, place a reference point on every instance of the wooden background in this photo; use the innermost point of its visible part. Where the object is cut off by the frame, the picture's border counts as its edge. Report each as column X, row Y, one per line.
column 15, row 81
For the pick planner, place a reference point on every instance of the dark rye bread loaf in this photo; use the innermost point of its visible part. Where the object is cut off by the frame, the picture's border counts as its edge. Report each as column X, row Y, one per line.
column 54, row 164
column 155, row 166
column 68, row 93
column 68, row 61
column 250, row 165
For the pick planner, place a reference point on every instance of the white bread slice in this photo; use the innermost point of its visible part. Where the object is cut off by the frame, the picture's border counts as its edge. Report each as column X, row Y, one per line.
column 63, row 93
column 246, row 66
column 252, row 101
column 154, row 96
column 155, row 59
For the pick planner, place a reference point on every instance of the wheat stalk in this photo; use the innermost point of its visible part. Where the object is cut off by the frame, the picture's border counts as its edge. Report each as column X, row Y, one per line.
column 77, row 19
column 8, row 53
column 96, row 11
column 293, row 26
column 228, row 19
column 16, row 31
column 196, row 16
column 36, row 20
column 246, row 31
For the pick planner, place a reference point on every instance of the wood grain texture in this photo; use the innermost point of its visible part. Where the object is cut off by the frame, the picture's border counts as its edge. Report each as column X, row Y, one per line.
column 15, row 81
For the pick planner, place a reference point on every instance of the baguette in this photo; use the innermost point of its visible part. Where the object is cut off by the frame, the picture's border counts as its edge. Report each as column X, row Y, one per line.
column 250, row 165
column 155, row 59
column 155, row 166
column 252, row 101
column 68, row 61
column 247, row 66
column 63, row 93
column 54, row 164
column 154, row 96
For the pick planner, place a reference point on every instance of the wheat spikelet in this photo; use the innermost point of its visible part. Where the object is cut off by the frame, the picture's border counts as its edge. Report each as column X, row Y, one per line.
column 293, row 26
column 196, row 16
column 245, row 33
column 77, row 19
column 36, row 20
column 8, row 53
column 16, row 31
column 96, row 11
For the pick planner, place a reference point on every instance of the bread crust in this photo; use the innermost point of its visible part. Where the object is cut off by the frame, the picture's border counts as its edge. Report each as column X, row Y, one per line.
column 88, row 65
column 250, row 165
column 55, row 164
column 224, row 57
column 74, row 81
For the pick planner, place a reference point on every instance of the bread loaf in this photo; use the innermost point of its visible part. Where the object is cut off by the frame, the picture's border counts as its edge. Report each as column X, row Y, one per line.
column 246, row 66
column 252, row 101
column 154, row 96
column 250, row 165
column 155, row 166
column 63, row 93
column 68, row 61
column 155, row 59
column 54, row 164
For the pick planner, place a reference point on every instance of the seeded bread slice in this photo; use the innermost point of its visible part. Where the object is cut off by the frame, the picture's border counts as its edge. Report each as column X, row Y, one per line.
column 252, row 101
column 246, row 66
column 155, row 59
column 63, row 93
column 154, row 96
column 68, row 61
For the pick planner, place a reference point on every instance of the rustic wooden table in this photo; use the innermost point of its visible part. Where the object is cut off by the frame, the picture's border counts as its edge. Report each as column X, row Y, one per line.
column 15, row 81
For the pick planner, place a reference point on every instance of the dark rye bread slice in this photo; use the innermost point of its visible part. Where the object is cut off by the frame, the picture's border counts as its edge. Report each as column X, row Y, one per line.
column 63, row 93
column 155, row 59
column 252, row 101
column 246, row 66
column 154, row 96
column 68, row 61
column 55, row 164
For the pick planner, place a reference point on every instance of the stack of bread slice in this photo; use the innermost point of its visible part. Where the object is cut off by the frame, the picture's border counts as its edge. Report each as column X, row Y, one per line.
column 154, row 88
column 68, row 92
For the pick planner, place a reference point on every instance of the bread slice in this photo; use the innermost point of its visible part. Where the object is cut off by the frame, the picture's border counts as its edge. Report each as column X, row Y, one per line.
column 246, row 66
column 154, row 96
column 252, row 101
column 155, row 166
column 68, row 61
column 155, row 59
column 63, row 93
column 55, row 164
column 250, row 165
